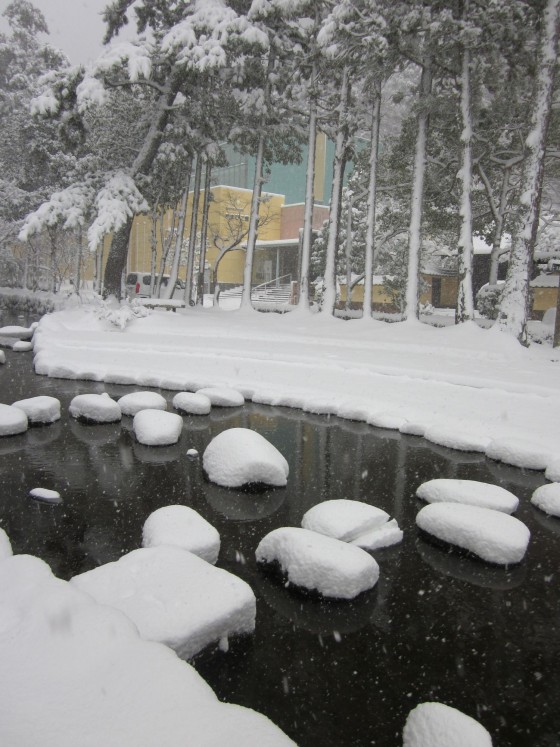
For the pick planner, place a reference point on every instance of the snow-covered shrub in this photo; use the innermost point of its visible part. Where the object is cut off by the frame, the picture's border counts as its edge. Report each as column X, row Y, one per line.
column 121, row 313
column 488, row 300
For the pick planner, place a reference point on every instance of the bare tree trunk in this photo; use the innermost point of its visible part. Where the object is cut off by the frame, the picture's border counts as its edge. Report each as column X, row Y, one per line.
column 372, row 202
column 78, row 280
column 415, row 229
column 116, row 261
column 556, row 340
column 514, row 306
column 499, row 229
column 303, row 302
column 329, row 298
column 253, row 222
column 204, row 232
column 192, row 233
column 465, row 307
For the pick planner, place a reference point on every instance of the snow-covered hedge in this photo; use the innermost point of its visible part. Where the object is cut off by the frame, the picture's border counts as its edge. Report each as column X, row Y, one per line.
column 26, row 302
column 488, row 300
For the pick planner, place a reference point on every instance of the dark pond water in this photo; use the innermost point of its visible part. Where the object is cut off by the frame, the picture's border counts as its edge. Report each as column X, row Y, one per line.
column 437, row 627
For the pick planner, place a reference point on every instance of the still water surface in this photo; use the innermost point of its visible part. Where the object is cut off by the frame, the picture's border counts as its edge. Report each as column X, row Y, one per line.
column 437, row 627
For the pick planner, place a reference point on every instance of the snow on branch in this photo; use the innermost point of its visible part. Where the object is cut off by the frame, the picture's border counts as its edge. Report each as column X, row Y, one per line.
column 117, row 201
column 137, row 56
column 68, row 207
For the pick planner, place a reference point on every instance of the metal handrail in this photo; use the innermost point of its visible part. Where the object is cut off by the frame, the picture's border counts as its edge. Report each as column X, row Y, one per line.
column 275, row 280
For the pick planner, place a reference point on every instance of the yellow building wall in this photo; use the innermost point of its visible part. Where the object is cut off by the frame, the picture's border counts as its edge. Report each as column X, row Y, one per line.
column 544, row 298
column 379, row 294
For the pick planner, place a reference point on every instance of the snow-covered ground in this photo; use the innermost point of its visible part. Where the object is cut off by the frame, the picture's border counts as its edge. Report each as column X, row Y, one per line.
column 465, row 386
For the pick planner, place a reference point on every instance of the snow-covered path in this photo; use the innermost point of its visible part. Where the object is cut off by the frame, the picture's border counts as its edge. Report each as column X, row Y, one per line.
column 461, row 380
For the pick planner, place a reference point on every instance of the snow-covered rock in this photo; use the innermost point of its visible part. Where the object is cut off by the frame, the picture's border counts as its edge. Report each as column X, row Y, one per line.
column 157, row 428
column 5, row 545
column 553, row 471
column 2, row 357
column 318, row 563
column 43, row 409
column 518, row 452
column 240, row 456
column 75, row 672
column 184, row 527
column 95, row 408
column 222, row 396
column 192, row 403
column 21, row 346
column 174, row 597
column 343, row 519
column 439, row 725
column 383, row 536
column 491, row 535
column 46, row 495
column 547, row 498
column 192, row 453
column 132, row 403
column 19, row 333
column 456, row 439
column 12, row 420
column 471, row 492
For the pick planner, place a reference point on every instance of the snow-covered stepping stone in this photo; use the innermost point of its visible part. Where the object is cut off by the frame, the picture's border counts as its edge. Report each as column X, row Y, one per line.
column 183, row 527
column 453, row 439
column 518, row 452
column 222, row 396
column 43, row 409
column 383, row 536
column 192, row 453
column 318, row 563
column 95, row 408
column 20, row 333
column 21, row 346
column 45, row 495
column 343, row 519
column 174, row 597
column 240, row 456
column 132, row 403
column 439, row 725
column 471, row 492
column 192, row 403
column 5, row 545
column 553, row 471
column 12, row 420
column 547, row 498
column 157, row 428
column 491, row 535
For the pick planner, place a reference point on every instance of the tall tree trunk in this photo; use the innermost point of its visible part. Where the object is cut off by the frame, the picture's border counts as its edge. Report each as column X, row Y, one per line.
column 307, row 232
column 465, row 307
column 192, row 233
column 415, row 228
column 372, row 202
column 204, row 232
column 499, row 228
column 329, row 298
column 78, row 280
column 179, row 234
column 556, row 340
column 253, row 223
column 116, row 261
column 514, row 306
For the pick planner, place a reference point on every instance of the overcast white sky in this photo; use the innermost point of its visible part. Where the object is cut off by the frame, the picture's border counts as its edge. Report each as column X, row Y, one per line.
column 75, row 25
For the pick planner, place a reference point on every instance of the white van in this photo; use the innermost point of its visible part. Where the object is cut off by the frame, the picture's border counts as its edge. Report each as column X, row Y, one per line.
column 137, row 285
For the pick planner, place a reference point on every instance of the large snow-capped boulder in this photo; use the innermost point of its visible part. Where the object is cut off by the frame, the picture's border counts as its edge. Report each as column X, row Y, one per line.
column 192, row 403
column 518, row 452
column 471, row 492
column 439, row 725
column 132, row 403
column 75, row 672
column 547, row 498
column 95, row 408
column 42, row 409
column 182, row 526
column 318, row 563
column 353, row 521
column 2, row 357
column 5, row 545
column 491, row 535
column 222, row 396
column 12, row 420
column 174, row 597
column 157, row 428
column 240, row 456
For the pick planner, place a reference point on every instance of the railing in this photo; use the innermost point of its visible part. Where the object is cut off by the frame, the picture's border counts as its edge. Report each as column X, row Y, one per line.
column 276, row 282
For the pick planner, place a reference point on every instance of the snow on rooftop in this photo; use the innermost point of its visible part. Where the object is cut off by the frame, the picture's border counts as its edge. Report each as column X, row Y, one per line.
column 157, row 428
column 12, row 420
column 545, row 281
column 547, row 498
column 240, row 456
column 192, row 403
column 76, row 672
column 222, row 396
column 491, row 535
column 43, row 409
column 471, row 492
column 182, row 526
column 318, row 563
column 132, row 403
column 174, row 597
column 95, row 408
column 439, row 725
